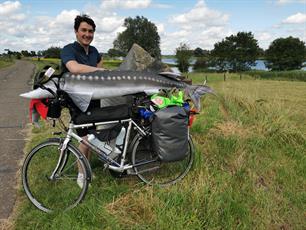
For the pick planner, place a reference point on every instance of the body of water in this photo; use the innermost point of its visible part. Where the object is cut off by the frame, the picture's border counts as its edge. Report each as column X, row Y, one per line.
column 259, row 65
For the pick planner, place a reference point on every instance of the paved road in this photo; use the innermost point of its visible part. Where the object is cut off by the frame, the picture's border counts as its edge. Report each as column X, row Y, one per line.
column 13, row 117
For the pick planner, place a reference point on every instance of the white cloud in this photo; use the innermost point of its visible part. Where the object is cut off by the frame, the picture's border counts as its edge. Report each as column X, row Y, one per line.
column 160, row 28
column 297, row 18
column 64, row 20
column 200, row 26
column 201, row 14
column 9, row 7
column 264, row 36
column 108, row 24
column 284, row 2
column 161, row 6
column 18, row 17
column 125, row 4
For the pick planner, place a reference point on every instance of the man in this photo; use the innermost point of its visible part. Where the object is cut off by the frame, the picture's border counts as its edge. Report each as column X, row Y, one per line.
column 81, row 57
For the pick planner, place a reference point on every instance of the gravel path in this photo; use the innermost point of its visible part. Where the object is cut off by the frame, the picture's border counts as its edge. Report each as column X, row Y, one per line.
column 13, row 118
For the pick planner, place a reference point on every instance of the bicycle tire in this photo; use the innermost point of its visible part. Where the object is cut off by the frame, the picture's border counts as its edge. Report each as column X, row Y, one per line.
column 62, row 193
column 159, row 173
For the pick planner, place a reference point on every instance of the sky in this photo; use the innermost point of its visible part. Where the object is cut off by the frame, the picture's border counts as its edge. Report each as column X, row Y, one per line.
column 39, row 24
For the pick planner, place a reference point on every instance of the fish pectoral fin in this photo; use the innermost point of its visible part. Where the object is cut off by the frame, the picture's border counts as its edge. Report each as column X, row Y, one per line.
column 81, row 99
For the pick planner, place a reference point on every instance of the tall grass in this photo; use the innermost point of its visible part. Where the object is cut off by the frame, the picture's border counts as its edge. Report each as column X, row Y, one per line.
column 292, row 75
column 249, row 171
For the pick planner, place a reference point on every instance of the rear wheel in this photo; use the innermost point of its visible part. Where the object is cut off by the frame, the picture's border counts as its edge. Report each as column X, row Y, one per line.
column 62, row 192
column 157, row 172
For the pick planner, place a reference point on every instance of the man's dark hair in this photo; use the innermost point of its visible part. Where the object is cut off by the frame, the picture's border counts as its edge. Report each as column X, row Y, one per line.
column 83, row 18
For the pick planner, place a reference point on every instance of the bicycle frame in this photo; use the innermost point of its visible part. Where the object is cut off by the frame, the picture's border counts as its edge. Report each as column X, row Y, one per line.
column 110, row 163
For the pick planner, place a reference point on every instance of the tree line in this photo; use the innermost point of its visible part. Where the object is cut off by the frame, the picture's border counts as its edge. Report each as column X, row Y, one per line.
column 234, row 53
column 52, row 52
column 239, row 52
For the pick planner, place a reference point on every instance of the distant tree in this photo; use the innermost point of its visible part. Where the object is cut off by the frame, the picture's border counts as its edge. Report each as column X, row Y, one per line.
column 9, row 52
column 285, row 54
column 183, row 55
column 25, row 53
column 236, row 52
column 261, row 52
column 115, row 53
column 201, row 63
column 33, row 53
column 198, row 52
column 40, row 53
column 18, row 55
column 141, row 31
column 52, row 52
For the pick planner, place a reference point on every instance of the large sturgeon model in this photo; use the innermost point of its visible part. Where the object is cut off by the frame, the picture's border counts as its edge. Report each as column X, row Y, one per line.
column 104, row 84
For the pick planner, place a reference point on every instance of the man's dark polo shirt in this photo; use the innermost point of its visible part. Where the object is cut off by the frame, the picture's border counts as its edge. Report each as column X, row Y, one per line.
column 75, row 52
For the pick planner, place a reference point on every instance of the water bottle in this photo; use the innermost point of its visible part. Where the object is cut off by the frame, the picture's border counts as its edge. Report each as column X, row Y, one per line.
column 99, row 144
column 118, row 142
column 120, row 138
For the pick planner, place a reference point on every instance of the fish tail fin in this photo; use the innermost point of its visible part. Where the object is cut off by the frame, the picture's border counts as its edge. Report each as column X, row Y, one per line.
column 195, row 92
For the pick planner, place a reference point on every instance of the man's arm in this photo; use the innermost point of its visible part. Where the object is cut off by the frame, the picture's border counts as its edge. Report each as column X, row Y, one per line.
column 74, row 67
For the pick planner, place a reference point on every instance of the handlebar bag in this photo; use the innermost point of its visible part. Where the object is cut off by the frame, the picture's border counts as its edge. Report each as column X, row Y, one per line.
column 170, row 133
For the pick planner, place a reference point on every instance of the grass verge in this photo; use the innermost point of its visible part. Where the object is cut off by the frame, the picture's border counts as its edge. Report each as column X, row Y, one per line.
column 5, row 62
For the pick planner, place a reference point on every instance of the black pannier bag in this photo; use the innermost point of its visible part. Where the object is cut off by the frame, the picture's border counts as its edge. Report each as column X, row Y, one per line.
column 170, row 133
column 54, row 109
column 108, row 113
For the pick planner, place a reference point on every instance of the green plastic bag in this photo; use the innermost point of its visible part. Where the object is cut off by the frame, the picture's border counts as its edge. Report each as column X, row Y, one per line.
column 162, row 102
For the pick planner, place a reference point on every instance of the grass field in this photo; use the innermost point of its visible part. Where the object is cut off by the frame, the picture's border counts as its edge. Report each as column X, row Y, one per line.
column 249, row 172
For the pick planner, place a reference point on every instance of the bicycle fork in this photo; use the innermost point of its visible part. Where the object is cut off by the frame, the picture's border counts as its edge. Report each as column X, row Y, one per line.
column 61, row 160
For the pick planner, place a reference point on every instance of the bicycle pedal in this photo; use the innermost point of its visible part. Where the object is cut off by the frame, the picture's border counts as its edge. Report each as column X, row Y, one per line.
column 106, row 166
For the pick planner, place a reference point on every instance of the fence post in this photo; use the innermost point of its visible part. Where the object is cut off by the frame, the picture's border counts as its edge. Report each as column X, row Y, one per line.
column 224, row 77
column 240, row 76
column 206, row 78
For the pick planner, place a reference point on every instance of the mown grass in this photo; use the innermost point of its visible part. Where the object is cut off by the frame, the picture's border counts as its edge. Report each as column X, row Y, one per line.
column 111, row 64
column 249, row 171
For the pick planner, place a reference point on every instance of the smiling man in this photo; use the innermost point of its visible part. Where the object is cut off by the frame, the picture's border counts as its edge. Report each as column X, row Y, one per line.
column 80, row 56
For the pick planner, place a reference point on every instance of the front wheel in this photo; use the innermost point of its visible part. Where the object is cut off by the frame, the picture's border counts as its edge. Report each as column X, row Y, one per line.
column 61, row 192
column 152, row 171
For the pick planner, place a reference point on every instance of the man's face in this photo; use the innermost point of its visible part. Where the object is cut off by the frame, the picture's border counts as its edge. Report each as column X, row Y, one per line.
column 84, row 34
